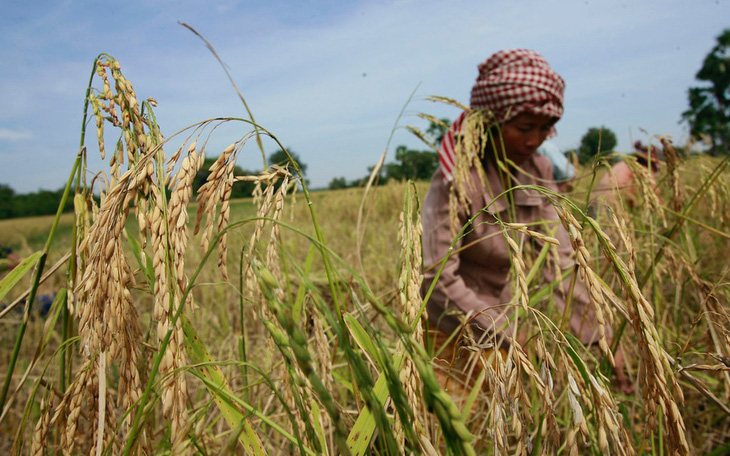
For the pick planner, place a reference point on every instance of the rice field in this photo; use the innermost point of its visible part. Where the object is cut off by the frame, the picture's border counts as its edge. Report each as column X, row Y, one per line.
column 292, row 322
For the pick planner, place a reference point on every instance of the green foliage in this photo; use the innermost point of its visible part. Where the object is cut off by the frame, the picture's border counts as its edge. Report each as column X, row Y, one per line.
column 709, row 106
column 6, row 201
column 438, row 130
column 596, row 141
column 411, row 164
column 337, row 183
column 42, row 202
column 418, row 164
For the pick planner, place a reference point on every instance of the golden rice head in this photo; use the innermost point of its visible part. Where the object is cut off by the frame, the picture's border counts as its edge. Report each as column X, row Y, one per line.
column 469, row 149
column 611, row 434
column 268, row 197
column 655, row 367
column 645, row 181
column 96, row 108
column 78, row 408
column 673, row 160
column 39, row 438
column 409, row 285
column 551, row 432
column 272, row 253
column 521, row 404
column 108, row 320
column 181, row 191
column 497, row 374
column 589, row 278
column 619, row 218
column 214, row 194
column 518, row 266
column 168, row 296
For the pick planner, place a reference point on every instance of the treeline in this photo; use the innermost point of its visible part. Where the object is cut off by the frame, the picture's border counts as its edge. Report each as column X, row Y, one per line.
column 42, row 202
column 409, row 164
column 46, row 202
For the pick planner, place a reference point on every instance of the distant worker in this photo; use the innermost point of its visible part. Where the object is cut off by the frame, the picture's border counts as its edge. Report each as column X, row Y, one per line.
column 517, row 98
column 563, row 169
column 8, row 258
column 619, row 183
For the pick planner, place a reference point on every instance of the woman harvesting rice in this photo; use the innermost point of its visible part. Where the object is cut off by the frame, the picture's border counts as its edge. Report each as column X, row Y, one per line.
column 490, row 149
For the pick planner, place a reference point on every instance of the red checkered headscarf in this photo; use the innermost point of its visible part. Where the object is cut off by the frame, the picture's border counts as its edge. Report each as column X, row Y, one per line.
column 510, row 83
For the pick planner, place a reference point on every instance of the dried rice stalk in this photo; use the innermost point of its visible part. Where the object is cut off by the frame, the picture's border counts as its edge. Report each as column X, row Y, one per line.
column 108, row 322
column 644, row 180
column 518, row 264
column 673, row 160
column 216, row 192
column 323, row 362
column 656, row 368
column 589, row 277
column 469, row 149
column 39, row 441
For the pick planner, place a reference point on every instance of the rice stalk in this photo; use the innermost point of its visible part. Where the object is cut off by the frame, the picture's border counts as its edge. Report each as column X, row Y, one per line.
column 409, row 286
column 656, row 370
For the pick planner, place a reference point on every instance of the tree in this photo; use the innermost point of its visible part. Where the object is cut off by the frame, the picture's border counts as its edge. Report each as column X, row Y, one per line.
column 594, row 142
column 709, row 107
column 6, row 201
column 438, row 130
column 337, row 183
column 42, row 202
column 281, row 159
column 412, row 164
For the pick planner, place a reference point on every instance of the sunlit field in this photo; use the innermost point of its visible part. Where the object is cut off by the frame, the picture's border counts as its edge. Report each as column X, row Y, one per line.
column 292, row 322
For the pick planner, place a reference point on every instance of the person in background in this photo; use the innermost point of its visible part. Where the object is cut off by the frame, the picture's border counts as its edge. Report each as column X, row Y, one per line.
column 8, row 258
column 563, row 169
column 619, row 182
column 492, row 147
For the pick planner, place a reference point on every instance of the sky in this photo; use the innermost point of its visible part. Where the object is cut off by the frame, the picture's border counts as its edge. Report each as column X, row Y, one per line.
column 329, row 78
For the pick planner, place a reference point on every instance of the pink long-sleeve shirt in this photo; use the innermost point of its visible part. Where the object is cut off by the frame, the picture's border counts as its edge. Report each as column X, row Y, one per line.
column 475, row 281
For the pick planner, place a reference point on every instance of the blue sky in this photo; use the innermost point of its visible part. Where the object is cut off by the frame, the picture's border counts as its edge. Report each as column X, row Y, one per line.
column 329, row 78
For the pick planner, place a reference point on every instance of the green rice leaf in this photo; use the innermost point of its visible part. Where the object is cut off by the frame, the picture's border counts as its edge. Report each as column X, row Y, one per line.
column 570, row 348
column 362, row 432
column 316, row 414
column 217, row 385
column 476, row 389
column 18, row 273
column 363, row 340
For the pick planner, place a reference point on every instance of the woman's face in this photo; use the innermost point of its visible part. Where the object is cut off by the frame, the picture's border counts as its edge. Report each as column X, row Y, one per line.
column 522, row 136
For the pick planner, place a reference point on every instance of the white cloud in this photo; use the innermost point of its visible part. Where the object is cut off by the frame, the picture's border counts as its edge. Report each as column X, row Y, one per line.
column 6, row 134
column 301, row 66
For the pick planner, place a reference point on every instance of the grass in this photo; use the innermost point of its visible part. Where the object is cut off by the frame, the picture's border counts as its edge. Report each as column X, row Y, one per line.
column 26, row 234
column 270, row 332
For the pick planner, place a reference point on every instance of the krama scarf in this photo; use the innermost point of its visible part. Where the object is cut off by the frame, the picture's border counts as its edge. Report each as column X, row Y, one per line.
column 510, row 82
